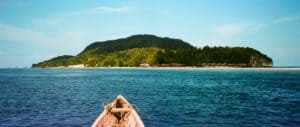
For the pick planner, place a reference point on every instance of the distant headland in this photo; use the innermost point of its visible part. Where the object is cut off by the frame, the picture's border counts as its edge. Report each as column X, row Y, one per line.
column 154, row 51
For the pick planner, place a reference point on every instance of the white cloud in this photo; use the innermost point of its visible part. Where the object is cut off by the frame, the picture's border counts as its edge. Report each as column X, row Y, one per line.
column 100, row 10
column 73, row 35
column 164, row 12
column 285, row 19
column 23, row 35
column 230, row 30
column 48, row 21
column 70, row 41
column 286, row 51
column 63, row 17
column 287, row 56
column 18, row 34
column 104, row 9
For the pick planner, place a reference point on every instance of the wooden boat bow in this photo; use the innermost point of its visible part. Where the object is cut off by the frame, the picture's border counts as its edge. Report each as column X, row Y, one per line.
column 118, row 113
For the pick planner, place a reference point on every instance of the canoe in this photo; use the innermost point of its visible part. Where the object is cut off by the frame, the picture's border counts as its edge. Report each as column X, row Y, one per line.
column 118, row 113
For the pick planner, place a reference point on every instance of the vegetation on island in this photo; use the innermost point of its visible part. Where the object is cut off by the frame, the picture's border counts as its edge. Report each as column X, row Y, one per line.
column 55, row 62
column 158, row 51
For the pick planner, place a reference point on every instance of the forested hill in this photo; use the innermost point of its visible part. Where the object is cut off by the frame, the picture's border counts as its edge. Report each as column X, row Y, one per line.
column 137, row 41
column 157, row 51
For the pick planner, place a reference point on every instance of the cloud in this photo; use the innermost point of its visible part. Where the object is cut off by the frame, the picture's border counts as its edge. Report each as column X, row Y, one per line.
column 68, row 16
column 104, row 9
column 60, row 40
column 100, row 10
column 288, row 56
column 49, row 21
column 230, row 30
column 286, row 51
column 18, row 34
column 164, row 12
column 285, row 19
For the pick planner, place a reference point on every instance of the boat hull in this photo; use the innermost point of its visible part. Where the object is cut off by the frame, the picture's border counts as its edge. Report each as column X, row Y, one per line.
column 118, row 113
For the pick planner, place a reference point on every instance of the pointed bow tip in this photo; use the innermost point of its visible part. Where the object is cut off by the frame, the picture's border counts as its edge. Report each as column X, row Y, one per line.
column 120, row 96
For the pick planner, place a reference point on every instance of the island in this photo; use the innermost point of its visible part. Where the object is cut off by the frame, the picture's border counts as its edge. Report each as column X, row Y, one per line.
column 153, row 51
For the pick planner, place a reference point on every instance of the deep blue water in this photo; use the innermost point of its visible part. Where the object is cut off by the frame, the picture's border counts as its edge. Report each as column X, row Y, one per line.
column 165, row 97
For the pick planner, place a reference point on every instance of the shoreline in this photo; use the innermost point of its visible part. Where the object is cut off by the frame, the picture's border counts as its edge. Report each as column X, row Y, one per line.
column 179, row 68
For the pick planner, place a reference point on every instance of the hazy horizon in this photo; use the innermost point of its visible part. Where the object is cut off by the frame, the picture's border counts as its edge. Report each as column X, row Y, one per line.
column 32, row 31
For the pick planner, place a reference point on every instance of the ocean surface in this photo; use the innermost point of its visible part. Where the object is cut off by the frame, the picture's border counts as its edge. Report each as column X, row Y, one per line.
column 164, row 97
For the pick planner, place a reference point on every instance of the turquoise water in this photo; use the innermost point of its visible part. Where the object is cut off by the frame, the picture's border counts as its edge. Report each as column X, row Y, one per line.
column 164, row 97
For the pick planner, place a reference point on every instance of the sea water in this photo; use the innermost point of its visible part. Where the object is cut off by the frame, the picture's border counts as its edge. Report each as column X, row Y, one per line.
column 163, row 97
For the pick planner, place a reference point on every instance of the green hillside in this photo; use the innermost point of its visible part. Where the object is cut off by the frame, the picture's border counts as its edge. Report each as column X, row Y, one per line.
column 137, row 41
column 54, row 62
column 158, row 51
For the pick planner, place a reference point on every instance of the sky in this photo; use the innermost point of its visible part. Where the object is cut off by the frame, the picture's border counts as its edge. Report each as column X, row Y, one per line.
column 32, row 31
